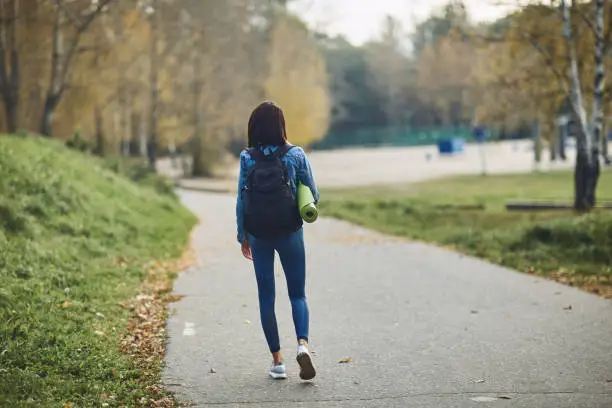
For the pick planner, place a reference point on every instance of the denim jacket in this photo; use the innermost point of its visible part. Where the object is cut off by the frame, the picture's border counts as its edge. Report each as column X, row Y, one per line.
column 299, row 170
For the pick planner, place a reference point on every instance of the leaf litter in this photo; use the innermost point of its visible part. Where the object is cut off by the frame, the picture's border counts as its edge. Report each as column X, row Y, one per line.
column 145, row 338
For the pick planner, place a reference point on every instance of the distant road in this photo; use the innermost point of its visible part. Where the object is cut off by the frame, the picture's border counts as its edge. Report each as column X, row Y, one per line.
column 367, row 166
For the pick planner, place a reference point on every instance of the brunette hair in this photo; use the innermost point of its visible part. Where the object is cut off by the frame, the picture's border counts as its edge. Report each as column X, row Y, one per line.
column 267, row 126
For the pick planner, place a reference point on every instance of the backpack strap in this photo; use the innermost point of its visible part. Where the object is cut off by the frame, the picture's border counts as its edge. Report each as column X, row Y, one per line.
column 284, row 149
column 255, row 153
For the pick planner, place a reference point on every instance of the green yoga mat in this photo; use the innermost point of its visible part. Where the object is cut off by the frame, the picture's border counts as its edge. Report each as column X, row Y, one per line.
column 306, row 205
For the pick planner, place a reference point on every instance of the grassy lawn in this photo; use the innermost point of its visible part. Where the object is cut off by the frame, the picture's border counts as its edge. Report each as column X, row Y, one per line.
column 573, row 249
column 76, row 243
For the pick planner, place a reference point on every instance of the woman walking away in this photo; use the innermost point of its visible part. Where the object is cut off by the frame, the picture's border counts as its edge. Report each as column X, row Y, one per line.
column 269, row 221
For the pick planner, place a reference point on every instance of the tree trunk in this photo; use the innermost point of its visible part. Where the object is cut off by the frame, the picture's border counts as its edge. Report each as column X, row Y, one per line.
column 9, row 66
column 127, row 120
column 11, row 110
column 117, row 124
column 99, row 149
column 537, row 140
column 562, row 140
column 61, row 59
column 198, row 165
column 172, row 152
column 593, row 169
column 142, row 135
column 153, row 83
column 553, row 147
column 605, row 142
column 54, row 90
column 46, row 125
column 586, row 173
column 586, row 176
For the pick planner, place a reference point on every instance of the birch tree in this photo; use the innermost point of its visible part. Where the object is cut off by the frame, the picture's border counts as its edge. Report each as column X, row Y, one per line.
column 557, row 52
column 588, row 137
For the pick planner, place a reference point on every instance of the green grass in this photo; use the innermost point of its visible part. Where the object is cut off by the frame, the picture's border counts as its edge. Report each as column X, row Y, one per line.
column 64, row 219
column 573, row 248
column 138, row 170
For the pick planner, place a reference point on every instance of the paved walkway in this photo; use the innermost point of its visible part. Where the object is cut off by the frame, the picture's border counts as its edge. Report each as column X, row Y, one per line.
column 424, row 327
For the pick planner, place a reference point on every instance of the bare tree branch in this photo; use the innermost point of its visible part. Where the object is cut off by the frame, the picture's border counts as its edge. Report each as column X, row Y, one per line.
column 550, row 63
column 79, row 25
column 68, row 13
column 61, row 62
column 586, row 19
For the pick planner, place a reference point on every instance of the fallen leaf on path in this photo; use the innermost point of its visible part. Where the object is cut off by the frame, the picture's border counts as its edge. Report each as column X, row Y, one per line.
column 474, row 311
column 174, row 298
column 568, row 307
column 504, row 397
column 345, row 360
column 213, row 371
column 480, row 381
column 247, row 321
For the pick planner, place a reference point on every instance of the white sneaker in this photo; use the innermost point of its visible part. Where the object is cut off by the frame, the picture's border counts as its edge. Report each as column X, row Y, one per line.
column 278, row 372
column 307, row 369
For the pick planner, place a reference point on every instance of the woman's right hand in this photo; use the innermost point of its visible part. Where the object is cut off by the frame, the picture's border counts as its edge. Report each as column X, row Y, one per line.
column 246, row 250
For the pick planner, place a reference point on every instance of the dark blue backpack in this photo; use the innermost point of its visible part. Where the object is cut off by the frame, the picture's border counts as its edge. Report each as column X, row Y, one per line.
column 271, row 208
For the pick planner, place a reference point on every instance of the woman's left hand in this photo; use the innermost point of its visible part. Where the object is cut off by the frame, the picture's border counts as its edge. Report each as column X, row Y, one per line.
column 246, row 250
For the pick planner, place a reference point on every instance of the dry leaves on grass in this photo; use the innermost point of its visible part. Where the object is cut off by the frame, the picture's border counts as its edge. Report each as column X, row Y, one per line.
column 145, row 338
column 598, row 285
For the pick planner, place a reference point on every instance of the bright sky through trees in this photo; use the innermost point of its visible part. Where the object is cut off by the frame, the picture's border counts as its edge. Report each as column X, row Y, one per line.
column 360, row 20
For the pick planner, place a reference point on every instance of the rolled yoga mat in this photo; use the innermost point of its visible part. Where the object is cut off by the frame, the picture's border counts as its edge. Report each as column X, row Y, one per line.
column 306, row 204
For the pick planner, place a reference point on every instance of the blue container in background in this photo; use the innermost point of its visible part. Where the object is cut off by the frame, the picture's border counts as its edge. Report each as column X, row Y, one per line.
column 451, row 146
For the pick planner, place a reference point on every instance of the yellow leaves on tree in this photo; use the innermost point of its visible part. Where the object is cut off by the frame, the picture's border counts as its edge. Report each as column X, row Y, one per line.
column 524, row 73
column 298, row 82
column 443, row 71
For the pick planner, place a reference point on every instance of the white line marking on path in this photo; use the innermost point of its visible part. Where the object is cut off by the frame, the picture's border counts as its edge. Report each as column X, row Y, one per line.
column 189, row 329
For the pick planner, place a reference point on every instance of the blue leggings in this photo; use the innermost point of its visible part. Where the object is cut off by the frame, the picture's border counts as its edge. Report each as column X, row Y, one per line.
column 290, row 248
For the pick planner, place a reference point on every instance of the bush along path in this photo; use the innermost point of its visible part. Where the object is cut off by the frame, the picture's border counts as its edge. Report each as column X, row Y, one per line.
column 87, row 257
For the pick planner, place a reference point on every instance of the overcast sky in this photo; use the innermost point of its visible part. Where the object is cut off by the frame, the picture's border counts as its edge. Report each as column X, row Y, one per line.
column 360, row 20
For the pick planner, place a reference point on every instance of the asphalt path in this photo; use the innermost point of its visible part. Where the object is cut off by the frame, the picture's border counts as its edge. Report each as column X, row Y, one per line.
column 422, row 327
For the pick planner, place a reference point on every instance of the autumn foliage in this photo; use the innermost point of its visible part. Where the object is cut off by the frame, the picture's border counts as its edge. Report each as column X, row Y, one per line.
column 145, row 77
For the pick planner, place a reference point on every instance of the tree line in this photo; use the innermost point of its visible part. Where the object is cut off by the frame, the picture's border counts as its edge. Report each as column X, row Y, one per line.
column 154, row 76
column 544, row 63
column 151, row 77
